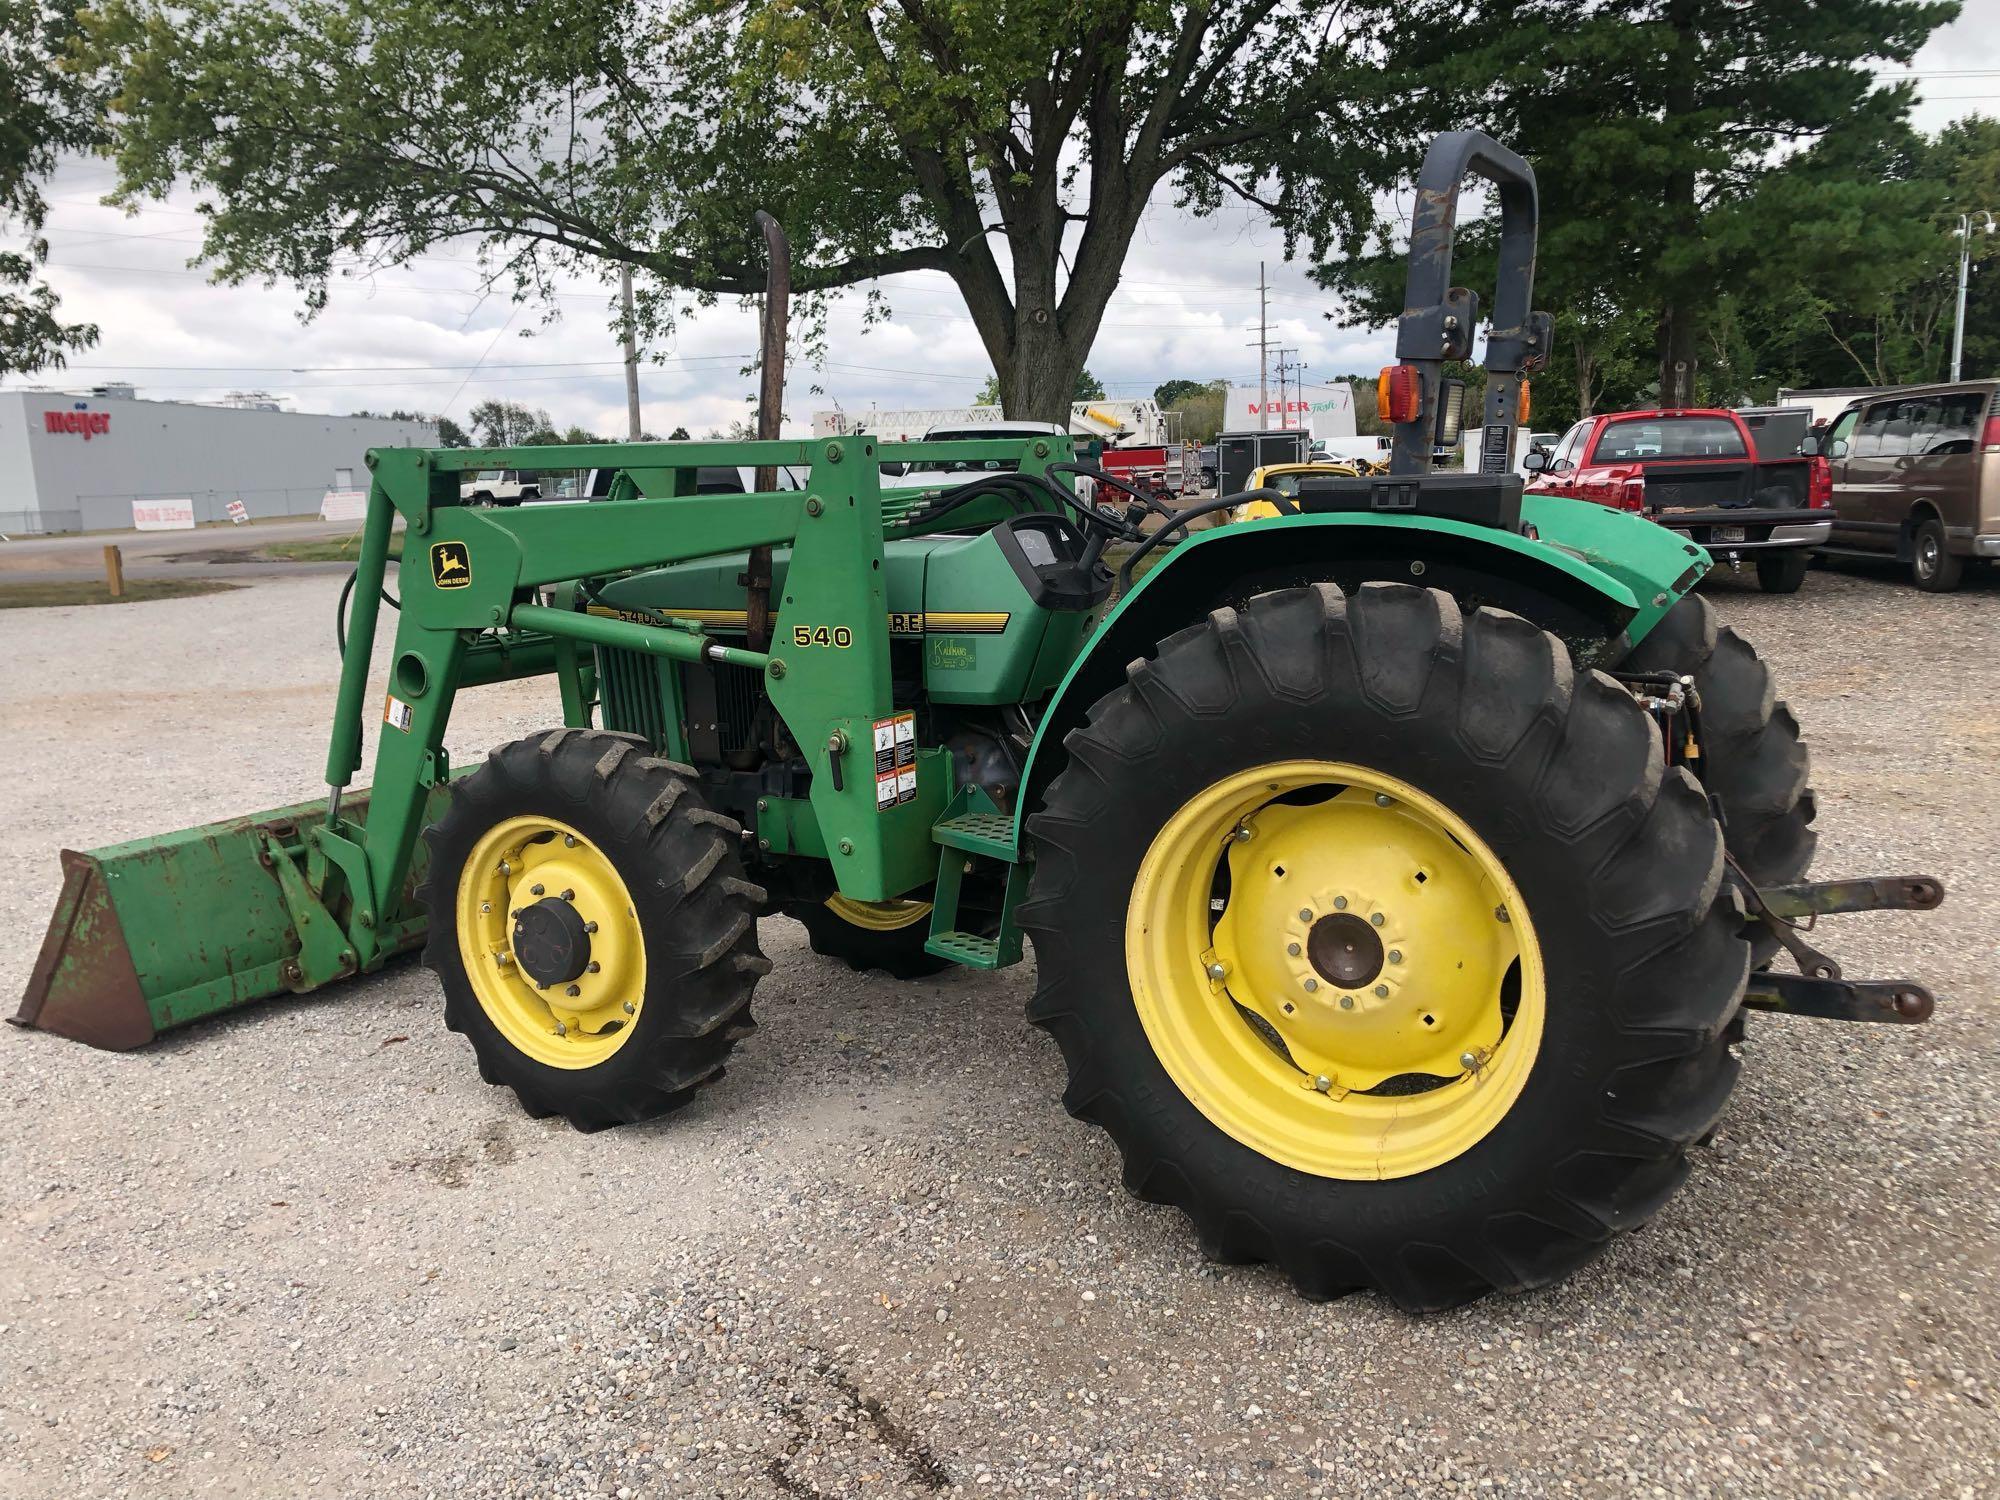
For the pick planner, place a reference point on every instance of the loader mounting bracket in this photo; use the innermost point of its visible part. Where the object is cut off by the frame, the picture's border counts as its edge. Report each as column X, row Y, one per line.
column 1787, row 911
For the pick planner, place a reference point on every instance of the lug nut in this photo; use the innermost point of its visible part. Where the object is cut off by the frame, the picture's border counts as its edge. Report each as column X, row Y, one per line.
column 1323, row 1083
column 569, row 841
column 503, row 959
column 592, row 967
column 1381, row 992
column 561, row 1030
column 1375, row 919
column 631, row 1009
column 1242, row 833
column 1383, row 799
column 1500, row 914
column 590, row 927
column 569, row 895
column 505, row 868
column 1340, row 903
column 1305, row 915
column 573, row 991
column 1347, row 1002
column 1292, row 949
column 1395, row 955
column 485, row 907
column 536, row 890
column 1312, row 984
column 1468, row 1061
column 1217, row 971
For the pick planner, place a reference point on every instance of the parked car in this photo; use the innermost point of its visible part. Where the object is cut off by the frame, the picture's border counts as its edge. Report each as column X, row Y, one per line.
column 1284, row 478
column 1916, row 476
column 943, row 475
column 1696, row 472
column 500, row 487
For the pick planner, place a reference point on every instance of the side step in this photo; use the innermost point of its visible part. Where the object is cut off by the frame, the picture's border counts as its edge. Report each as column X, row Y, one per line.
column 967, row 834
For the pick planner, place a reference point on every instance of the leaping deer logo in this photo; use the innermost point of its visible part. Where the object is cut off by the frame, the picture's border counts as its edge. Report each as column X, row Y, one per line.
column 450, row 567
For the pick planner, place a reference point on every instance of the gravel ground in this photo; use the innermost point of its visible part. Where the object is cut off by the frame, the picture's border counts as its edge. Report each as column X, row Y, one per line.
column 305, row 1250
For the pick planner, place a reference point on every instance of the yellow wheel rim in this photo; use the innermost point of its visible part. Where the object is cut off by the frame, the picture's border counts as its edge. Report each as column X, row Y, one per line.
column 1335, row 970
column 574, row 1020
column 879, row 916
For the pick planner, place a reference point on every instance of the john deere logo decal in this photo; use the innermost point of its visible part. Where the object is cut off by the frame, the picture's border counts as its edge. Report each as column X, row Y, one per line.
column 451, row 565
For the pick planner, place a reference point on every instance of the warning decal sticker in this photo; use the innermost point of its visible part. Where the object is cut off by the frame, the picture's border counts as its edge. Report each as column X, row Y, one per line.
column 397, row 714
column 895, row 760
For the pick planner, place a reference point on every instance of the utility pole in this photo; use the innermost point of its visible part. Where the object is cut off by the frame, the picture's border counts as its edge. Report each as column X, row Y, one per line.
column 632, row 428
column 1263, row 347
column 1286, row 387
column 1964, row 269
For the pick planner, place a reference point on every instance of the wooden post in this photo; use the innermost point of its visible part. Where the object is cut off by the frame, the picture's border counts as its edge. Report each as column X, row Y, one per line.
column 114, row 572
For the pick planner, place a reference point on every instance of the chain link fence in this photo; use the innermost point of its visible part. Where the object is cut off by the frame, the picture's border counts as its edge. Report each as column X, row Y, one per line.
column 39, row 522
column 113, row 512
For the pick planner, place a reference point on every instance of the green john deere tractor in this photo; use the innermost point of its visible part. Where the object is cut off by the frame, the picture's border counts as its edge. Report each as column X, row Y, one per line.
column 1399, row 867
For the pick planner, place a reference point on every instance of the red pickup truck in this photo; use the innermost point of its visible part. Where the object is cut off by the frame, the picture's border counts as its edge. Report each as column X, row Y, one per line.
column 1698, row 472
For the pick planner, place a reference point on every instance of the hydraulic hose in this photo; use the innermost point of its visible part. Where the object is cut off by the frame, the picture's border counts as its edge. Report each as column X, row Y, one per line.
column 340, row 609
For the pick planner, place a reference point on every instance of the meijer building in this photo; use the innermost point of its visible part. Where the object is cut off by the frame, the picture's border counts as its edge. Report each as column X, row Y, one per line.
column 81, row 462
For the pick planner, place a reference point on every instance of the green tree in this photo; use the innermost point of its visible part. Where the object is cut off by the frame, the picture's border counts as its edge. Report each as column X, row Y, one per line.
column 1200, row 405
column 45, row 110
column 450, row 434
column 507, row 424
column 1087, row 388
column 1011, row 148
column 1167, row 392
column 1670, row 139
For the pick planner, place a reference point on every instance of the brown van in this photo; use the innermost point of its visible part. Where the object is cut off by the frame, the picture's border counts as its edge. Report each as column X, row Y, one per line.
column 1916, row 476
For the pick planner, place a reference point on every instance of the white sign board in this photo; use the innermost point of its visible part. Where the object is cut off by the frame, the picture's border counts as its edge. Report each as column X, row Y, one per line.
column 163, row 515
column 344, row 505
column 238, row 512
column 1325, row 411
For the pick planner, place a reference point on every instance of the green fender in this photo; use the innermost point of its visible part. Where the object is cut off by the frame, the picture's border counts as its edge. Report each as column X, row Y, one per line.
column 1599, row 578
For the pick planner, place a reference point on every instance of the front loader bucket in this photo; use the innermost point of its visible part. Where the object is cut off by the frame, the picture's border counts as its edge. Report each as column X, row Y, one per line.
column 162, row 931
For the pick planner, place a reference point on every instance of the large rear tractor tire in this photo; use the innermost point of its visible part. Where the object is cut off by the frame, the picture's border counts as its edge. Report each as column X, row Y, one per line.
column 591, row 926
column 1385, row 945
column 888, row 936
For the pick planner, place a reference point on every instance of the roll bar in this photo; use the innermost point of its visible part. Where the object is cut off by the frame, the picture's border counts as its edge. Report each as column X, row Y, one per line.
column 1438, row 318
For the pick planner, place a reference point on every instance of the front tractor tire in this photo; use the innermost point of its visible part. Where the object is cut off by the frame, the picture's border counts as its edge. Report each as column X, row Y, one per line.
column 591, row 927
column 1385, row 945
column 883, row 936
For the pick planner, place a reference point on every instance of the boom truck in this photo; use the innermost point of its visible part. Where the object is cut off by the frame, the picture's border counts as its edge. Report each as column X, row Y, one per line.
column 1401, row 868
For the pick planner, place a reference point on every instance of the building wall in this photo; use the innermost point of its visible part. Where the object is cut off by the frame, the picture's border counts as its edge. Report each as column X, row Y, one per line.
column 17, row 470
column 277, row 463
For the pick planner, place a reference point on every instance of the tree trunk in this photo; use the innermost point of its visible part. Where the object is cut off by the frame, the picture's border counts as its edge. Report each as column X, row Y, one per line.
column 1680, row 322
column 1586, row 381
column 1677, row 332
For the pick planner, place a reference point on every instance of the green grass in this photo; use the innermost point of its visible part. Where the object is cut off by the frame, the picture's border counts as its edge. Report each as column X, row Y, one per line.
column 49, row 595
column 324, row 549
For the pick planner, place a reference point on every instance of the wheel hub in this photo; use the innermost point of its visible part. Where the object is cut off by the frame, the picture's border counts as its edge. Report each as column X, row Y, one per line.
column 551, row 941
column 1335, row 969
column 1345, row 950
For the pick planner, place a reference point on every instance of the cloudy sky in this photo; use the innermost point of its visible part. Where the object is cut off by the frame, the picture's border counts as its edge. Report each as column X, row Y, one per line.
column 422, row 337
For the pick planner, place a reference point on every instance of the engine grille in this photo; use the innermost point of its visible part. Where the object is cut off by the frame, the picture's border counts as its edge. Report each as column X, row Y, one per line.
column 629, row 694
